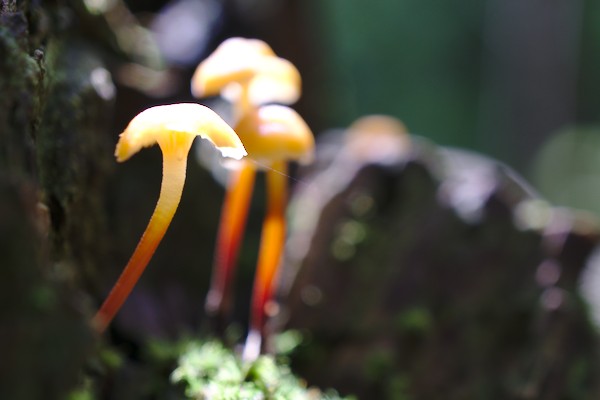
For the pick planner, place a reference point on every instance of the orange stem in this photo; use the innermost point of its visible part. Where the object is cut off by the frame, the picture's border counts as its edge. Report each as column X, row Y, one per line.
column 243, row 105
column 231, row 229
column 271, row 246
column 174, row 170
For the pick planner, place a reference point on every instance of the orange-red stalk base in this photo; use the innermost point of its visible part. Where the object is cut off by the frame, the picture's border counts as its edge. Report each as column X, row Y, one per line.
column 231, row 229
column 174, row 170
column 271, row 245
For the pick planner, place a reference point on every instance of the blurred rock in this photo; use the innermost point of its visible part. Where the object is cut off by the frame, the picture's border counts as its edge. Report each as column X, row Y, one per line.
column 438, row 275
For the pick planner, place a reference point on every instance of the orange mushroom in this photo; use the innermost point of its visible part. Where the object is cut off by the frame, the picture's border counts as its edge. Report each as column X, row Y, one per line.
column 246, row 72
column 377, row 138
column 173, row 127
column 273, row 135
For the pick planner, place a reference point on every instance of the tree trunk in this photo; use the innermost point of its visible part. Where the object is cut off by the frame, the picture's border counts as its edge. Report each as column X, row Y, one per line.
column 53, row 161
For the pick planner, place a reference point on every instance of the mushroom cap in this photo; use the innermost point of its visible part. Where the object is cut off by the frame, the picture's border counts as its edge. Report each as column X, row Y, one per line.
column 146, row 128
column 377, row 138
column 274, row 133
column 251, row 62
column 278, row 82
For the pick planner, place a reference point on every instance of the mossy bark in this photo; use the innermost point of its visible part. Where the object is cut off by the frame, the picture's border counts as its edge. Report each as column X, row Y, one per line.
column 53, row 160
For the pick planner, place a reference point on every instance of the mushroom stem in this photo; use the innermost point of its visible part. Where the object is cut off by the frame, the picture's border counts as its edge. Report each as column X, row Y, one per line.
column 175, row 149
column 269, row 257
column 243, row 105
column 231, row 229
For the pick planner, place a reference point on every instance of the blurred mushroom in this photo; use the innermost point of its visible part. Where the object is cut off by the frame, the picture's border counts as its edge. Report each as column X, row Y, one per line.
column 273, row 136
column 371, row 139
column 248, row 73
column 377, row 138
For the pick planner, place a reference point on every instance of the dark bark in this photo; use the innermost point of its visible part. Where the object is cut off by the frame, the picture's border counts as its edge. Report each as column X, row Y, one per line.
column 53, row 160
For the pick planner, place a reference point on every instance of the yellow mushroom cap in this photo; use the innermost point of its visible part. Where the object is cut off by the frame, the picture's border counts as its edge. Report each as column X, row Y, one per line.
column 146, row 128
column 377, row 138
column 278, row 82
column 250, row 62
column 274, row 133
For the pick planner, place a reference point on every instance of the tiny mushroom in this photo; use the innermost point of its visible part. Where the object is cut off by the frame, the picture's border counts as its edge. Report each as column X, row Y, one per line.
column 377, row 138
column 173, row 127
column 248, row 73
column 273, row 135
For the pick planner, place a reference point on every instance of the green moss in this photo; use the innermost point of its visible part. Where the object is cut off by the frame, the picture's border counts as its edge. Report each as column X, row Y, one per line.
column 379, row 364
column 82, row 393
column 398, row 388
column 416, row 320
column 21, row 100
column 209, row 370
